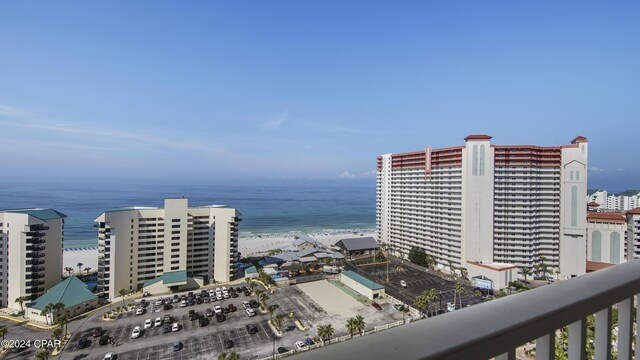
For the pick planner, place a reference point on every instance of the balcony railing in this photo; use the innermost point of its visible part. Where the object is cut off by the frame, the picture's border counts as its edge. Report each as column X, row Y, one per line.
column 497, row 328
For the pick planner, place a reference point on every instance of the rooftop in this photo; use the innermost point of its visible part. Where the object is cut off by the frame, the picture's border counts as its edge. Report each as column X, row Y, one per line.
column 42, row 214
column 478, row 137
column 359, row 243
column 619, row 217
column 69, row 292
column 362, row 280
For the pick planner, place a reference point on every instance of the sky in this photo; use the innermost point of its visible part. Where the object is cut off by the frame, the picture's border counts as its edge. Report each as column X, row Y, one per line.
column 205, row 91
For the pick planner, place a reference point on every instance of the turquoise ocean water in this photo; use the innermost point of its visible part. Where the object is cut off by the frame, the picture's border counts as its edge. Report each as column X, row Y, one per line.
column 266, row 209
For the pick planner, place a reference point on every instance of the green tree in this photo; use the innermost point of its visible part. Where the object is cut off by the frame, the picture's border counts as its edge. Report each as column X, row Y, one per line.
column 42, row 355
column 262, row 299
column 122, row 293
column 360, row 324
column 46, row 311
column 277, row 322
column 351, row 326
column 69, row 270
column 459, row 290
column 62, row 321
column 55, row 309
column 232, row 356
column 325, row 332
column 21, row 300
column 80, row 268
column 87, row 269
column 3, row 331
column 55, row 334
column 525, row 272
column 250, row 285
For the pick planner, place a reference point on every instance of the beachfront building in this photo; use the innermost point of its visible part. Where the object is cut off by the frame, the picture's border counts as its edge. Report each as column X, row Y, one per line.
column 484, row 203
column 138, row 244
column 633, row 234
column 605, row 239
column 73, row 295
column 30, row 254
column 358, row 246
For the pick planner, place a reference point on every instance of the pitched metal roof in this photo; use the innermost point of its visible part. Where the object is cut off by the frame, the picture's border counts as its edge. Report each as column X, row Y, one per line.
column 71, row 292
column 359, row 243
column 362, row 280
column 42, row 214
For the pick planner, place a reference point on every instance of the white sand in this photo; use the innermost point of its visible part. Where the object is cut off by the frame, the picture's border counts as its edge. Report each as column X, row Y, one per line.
column 254, row 245
column 330, row 298
column 89, row 258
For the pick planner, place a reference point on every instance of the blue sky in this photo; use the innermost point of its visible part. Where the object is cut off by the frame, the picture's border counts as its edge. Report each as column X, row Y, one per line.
column 212, row 91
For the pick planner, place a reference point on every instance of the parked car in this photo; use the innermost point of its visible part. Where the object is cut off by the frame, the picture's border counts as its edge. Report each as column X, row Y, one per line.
column 250, row 312
column 217, row 309
column 232, row 308
column 221, row 318
column 82, row 343
column 175, row 327
column 309, row 341
column 110, row 356
column 399, row 307
column 376, row 306
column 203, row 322
column 148, row 324
column 96, row 332
column 176, row 300
column 158, row 322
column 282, row 350
column 251, row 329
column 158, row 302
column 254, row 304
column 225, row 310
column 183, row 303
column 247, row 292
column 167, row 319
column 176, row 346
column 403, row 283
column 166, row 328
column 104, row 340
column 228, row 344
column 136, row 332
column 209, row 313
column 139, row 311
column 206, row 299
column 192, row 315
column 234, row 295
column 246, row 305
column 300, row 345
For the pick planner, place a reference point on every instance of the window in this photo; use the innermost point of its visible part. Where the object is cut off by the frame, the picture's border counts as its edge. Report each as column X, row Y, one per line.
column 475, row 160
column 574, row 206
column 481, row 159
column 614, row 247
column 596, row 246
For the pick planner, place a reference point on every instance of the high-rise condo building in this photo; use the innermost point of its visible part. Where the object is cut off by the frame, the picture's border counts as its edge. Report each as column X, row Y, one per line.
column 137, row 244
column 30, row 254
column 482, row 203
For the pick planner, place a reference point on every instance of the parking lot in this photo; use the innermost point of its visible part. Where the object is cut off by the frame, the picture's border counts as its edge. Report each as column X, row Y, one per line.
column 417, row 281
column 200, row 342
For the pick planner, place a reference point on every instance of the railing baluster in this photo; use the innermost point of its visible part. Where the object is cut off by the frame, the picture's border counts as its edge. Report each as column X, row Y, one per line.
column 577, row 340
column 603, row 334
column 625, row 328
column 509, row 355
column 545, row 347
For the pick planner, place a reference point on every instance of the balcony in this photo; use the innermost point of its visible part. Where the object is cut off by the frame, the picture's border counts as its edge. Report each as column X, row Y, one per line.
column 497, row 328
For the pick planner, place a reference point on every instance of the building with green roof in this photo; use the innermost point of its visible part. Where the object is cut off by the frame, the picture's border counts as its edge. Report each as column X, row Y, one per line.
column 173, row 281
column 71, row 292
column 366, row 287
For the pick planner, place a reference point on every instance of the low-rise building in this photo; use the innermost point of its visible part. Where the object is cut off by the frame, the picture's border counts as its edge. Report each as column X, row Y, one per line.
column 72, row 293
column 499, row 274
column 358, row 246
column 366, row 287
column 173, row 281
column 605, row 239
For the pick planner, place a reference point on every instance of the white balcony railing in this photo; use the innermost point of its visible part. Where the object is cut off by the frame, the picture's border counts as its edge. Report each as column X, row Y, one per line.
column 497, row 328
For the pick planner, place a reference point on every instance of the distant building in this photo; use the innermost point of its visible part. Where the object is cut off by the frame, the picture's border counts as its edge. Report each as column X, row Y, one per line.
column 499, row 274
column 138, row 244
column 633, row 234
column 487, row 203
column 30, row 253
column 71, row 292
column 305, row 242
column 605, row 239
column 358, row 246
column 621, row 202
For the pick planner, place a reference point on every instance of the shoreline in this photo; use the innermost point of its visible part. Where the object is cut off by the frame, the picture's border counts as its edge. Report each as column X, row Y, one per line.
column 250, row 244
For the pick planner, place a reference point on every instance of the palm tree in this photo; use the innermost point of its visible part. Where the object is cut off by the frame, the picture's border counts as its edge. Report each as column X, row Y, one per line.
column 55, row 334
column 46, row 311
column 525, row 272
column 3, row 331
column 232, row 356
column 68, row 269
column 250, row 285
column 351, row 326
column 360, row 324
column 263, row 300
column 122, row 293
column 277, row 322
column 56, row 308
column 80, row 268
column 63, row 320
column 42, row 355
column 20, row 300
column 325, row 332
column 87, row 269
column 458, row 290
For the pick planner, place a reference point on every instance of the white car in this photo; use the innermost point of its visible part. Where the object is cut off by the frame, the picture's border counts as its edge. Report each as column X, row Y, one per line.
column 175, row 327
column 183, row 303
column 219, row 296
column 139, row 311
column 217, row 309
column 300, row 345
column 403, row 283
column 110, row 356
column 136, row 332
column 250, row 312
column 246, row 305
column 224, row 288
column 158, row 322
column 225, row 294
column 158, row 302
column 148, row 324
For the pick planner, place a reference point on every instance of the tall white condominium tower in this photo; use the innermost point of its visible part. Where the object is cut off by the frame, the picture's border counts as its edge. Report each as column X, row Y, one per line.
column 137, row 244
column 486, row 203
column 30, row 254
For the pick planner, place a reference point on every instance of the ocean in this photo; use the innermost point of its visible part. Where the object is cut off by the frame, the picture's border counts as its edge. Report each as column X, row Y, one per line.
column 266, row 209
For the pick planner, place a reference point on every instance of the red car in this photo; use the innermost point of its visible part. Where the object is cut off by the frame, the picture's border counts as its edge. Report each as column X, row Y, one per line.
column 232, row 308
column 376, row 306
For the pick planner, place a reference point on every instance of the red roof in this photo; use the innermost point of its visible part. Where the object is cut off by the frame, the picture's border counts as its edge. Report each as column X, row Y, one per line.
column 593, row 204
column 607, row 216
column 594, row 265
column 579, row 139
column 635, row 211
column 477, row 137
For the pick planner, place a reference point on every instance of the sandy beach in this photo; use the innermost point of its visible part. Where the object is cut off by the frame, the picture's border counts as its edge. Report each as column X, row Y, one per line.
column 248, row 246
